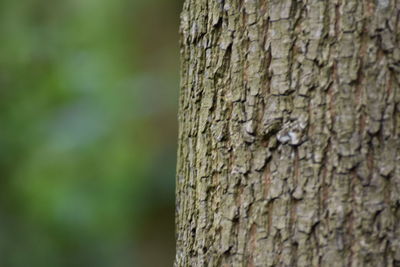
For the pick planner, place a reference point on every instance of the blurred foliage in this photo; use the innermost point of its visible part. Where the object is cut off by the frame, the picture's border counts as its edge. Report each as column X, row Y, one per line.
column 88, row 95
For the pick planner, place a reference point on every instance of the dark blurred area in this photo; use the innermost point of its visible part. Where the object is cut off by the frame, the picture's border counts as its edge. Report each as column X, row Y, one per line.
column 88, row 99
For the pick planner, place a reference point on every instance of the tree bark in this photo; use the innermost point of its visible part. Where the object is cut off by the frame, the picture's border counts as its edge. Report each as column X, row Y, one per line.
column 289, row 138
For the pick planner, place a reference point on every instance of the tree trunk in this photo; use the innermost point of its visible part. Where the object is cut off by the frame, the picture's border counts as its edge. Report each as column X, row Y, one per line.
column 289, row 133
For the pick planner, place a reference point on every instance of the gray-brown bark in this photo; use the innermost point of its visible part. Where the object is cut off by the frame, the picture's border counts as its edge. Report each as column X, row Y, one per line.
column 289, row 133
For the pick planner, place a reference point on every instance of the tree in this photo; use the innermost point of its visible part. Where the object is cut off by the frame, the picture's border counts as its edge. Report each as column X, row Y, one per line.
column 289, row 133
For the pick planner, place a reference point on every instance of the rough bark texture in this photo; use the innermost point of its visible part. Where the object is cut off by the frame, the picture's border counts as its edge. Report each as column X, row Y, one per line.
column 289, row 133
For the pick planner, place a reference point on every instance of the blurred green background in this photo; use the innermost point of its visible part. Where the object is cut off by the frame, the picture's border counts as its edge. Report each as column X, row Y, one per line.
column 88, row 99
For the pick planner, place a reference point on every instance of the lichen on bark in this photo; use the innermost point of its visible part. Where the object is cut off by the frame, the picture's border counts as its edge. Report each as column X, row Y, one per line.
column 289, row 133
